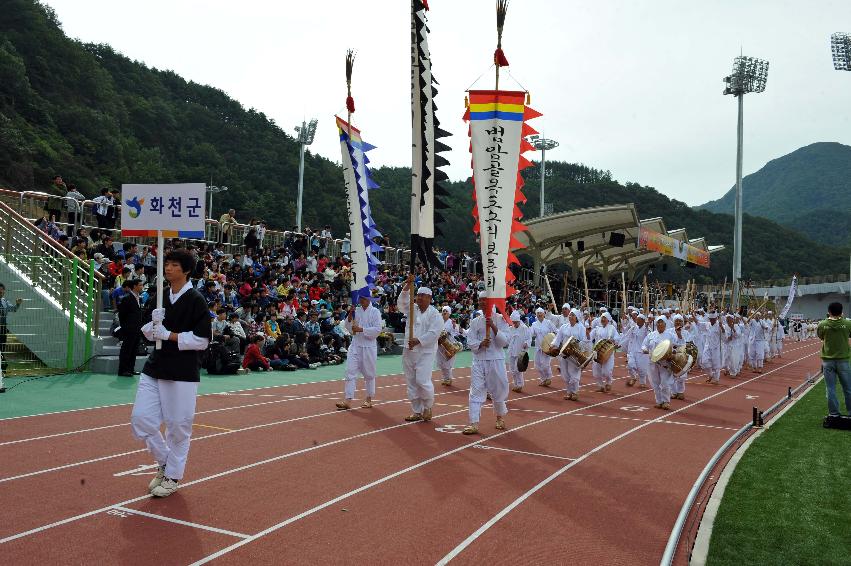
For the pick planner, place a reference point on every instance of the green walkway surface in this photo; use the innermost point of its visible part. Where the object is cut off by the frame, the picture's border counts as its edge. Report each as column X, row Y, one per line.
column 27, row 396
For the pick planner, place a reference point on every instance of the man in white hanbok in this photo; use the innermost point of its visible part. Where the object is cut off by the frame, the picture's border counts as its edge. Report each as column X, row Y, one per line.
column 444, row 364
column 364, row 324
column 570, row 371
column 519, row 338
column 486, row 339
column 659, row 372
column 418, row 356
column 603, row 372
column 636, row 359
column 540, row 328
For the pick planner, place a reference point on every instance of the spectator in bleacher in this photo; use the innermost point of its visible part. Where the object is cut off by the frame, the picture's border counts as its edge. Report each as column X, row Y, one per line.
column 226, row 223
column 251, row 242
column 79, row 249
column 103, row 203
column 105, row 247
column 53, row 204
column 73, row 206
column 114, row 211
column 237, row 330
column 130, row 322
column 47, row 224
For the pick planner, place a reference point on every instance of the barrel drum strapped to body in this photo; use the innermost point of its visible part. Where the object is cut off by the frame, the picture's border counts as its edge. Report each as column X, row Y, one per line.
column 604, row 349
column 448, row 346
column 677, row 358
column 572, row 350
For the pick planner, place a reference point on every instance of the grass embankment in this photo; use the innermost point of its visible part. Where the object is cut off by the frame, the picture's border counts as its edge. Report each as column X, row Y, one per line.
column 789, row 498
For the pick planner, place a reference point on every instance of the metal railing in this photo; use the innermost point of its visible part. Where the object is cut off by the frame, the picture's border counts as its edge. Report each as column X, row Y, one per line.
column 49, row 266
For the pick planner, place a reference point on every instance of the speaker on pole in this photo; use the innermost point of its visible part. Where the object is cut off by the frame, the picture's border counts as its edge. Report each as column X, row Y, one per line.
column 617, row 239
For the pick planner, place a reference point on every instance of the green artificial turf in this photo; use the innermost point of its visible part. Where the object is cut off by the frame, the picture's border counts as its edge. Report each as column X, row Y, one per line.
column 27, row 396
column 789, row 498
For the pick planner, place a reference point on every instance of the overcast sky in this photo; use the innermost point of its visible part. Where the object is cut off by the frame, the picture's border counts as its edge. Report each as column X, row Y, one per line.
column 629, row 86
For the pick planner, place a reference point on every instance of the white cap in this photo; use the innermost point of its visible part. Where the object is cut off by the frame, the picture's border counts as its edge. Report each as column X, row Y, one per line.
column 515, row 316
column 424, row 291
column 712, row 316
column 539, row 310
column 678, row 317
column 576, row 313
column 446, row 309
column 565, row 306
column 607, row 316
column 641, row 316
column 662, row 318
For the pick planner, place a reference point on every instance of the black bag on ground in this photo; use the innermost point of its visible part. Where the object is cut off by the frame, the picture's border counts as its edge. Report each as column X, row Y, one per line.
column 221, row 361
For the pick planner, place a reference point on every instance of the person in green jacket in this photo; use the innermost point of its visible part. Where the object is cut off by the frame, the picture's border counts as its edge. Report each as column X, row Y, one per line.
column 834, row 332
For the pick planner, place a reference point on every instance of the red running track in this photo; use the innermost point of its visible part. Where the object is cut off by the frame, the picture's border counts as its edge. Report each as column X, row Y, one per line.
column 283, row 478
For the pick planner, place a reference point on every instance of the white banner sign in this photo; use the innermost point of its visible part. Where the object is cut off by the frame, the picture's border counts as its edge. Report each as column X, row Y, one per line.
column 177, row 210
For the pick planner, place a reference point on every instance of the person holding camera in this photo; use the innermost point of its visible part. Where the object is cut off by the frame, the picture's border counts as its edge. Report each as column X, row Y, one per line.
column 834, row 332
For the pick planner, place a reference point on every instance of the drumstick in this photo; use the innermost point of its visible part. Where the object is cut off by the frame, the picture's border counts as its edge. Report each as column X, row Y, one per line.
column 585, row 281
column 623, row 288
column 550, row 290
column 723, row 294
column 646, row 297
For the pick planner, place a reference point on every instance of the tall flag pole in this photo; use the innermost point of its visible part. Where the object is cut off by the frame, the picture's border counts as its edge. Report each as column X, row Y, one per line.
column 426, row 162
column 358, row 182
column 498, row 128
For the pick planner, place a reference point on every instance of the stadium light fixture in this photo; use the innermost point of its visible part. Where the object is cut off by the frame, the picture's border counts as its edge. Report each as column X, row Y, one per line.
column 840, row 48
column 211, row 190
column 749, row 75
column 542, row 144
column 306, row 133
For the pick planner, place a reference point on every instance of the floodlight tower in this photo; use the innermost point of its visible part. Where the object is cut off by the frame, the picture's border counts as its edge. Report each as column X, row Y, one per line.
column 542, row 144
column 306, row 133
column 749, row 75
column 840, row 47
column 212, row 190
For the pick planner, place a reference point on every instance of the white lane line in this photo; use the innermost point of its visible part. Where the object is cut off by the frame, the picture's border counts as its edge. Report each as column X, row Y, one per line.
column 261, row 462
column 213, row 435
column 483, row 447
column 663, row 422
column 208, row 411
column 514, row 504
column 179, row 522
column 398, row 473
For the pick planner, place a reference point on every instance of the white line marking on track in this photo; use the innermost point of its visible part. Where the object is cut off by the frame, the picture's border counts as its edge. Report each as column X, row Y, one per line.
column 408, row 469
column 514, row 504
column 179, row 522
column 483, row 447
column 653, row 420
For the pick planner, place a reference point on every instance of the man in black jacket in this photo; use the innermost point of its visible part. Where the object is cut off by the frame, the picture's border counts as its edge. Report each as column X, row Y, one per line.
column 130, row 322
column 168, row 385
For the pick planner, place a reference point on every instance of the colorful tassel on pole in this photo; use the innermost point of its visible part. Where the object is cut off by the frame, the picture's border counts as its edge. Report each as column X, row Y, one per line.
column 499, row 58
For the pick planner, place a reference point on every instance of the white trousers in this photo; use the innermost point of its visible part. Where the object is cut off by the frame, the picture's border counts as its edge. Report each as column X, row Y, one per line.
column 542, row 364
column 712, row 364
column 160, row 401
column 517, row 377
column 361, row 361
column 571, row 373
column 445, row 365
column 757, row 353
column 637, row 366
column 678, row 384
column 603, row 372
column 661, row 381
column 488, row 376
column 735, row 358
column 417, row 367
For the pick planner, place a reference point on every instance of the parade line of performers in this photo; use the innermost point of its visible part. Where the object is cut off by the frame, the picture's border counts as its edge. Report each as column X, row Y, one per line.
column 662, row 345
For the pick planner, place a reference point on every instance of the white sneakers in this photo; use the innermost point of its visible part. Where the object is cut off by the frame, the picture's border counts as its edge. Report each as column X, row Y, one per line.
column 166, row 488
column 162, row 486
column 158, row 479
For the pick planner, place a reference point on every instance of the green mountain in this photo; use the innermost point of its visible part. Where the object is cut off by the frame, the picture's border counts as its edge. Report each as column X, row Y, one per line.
column 572, row 186
column 808, row 190
column 100, row 119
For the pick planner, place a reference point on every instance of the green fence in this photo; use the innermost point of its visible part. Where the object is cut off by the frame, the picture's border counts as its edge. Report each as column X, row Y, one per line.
column 51, row 315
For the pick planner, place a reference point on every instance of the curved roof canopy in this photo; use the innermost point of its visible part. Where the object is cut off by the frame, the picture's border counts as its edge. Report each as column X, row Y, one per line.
column 557, row 238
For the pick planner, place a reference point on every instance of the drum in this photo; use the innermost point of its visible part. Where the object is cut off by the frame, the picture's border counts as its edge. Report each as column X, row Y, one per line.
column 523, row 362
column 572, row 349
column 661, row 351
column 447, row 346
column 676, row 358
column 547, row 345
column 604, row 349
column 691, row 350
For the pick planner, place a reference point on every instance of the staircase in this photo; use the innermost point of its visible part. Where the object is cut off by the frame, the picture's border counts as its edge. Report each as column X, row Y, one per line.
column 108, row 349
column 60, row 293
